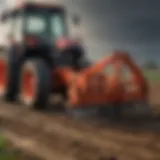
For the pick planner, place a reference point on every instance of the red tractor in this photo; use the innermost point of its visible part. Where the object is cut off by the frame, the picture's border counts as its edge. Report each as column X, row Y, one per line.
column 42, row 59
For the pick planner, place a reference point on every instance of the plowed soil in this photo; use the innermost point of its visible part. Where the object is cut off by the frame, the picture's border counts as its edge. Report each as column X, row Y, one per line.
column 55, row 136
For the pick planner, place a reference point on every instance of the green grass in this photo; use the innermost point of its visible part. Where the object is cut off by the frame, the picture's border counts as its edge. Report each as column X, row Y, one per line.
column 152, row 75
column 5, row 153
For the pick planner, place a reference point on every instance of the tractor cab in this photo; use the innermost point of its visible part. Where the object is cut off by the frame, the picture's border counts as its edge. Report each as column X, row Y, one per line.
column 41, row 30
column 35, row 25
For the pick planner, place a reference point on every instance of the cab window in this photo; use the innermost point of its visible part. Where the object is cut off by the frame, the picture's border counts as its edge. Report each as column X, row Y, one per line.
column 57, row 25
column 36, row 23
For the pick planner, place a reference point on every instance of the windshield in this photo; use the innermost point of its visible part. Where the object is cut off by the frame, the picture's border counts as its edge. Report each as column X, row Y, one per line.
column 36, row 24
column 57, row 25
column 48, row 24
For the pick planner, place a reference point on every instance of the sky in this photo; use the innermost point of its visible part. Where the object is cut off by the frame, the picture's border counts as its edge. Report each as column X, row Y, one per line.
column 107, row 25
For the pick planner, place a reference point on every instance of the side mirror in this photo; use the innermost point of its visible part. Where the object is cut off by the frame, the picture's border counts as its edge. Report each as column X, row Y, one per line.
column 76, row 20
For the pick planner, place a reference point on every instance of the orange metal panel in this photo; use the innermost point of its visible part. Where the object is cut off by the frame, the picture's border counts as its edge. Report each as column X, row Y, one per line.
column 93, row 86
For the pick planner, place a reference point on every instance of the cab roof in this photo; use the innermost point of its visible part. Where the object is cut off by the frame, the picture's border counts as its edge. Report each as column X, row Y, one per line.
column 33, row 5
column 50, row 6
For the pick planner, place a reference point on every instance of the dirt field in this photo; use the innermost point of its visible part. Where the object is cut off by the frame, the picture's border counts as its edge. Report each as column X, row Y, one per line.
column 54, row 136
column 155, row 93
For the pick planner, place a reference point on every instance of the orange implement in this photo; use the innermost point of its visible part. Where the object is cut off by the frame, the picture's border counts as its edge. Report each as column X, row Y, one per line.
column 93, row 86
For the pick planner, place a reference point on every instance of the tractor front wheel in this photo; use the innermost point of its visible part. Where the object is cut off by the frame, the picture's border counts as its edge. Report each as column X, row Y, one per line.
column 35, row 84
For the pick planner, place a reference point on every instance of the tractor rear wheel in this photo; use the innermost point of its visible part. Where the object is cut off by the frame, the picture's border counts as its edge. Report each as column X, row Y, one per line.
column 9, row 78
column 35, row 84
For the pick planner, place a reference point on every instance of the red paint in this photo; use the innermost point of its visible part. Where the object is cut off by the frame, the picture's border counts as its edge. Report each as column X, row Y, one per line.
column 3, row 75
column 28, row 84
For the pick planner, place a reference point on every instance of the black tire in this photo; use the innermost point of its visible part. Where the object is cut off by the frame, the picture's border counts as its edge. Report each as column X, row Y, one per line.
column 13, row 81
column 42, row 73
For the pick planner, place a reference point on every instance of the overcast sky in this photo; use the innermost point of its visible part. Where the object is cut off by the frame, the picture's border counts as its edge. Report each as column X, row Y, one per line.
column 132, row 25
